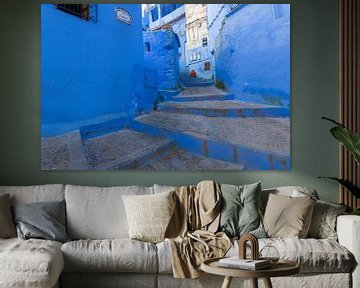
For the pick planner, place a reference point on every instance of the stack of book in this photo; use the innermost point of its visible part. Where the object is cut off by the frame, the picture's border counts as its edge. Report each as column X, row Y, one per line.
column 248, row 264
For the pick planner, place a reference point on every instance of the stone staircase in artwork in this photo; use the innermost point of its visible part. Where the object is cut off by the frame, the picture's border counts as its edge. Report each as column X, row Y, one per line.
column 188, row 81
column 213, row 102
column 202, row 128
column 209, row 122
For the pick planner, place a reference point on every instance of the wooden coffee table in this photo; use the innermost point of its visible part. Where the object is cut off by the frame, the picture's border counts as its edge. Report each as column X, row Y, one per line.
column 281, row 268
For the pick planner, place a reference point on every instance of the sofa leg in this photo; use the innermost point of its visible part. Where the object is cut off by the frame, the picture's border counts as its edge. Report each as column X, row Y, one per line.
column 267, row 283
column 227, row 282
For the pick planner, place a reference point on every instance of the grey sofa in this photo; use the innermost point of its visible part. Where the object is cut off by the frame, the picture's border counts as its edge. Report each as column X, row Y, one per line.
column 101, row 255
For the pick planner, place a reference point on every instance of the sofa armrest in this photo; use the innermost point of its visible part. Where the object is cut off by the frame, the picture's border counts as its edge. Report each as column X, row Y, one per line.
column 348, row 230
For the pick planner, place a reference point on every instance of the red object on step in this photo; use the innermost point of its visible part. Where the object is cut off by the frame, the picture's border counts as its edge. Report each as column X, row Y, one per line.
column 192, row 74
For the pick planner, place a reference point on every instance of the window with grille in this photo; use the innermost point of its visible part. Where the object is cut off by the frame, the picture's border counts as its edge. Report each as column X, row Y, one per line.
column 204, row 41
column 84, row 11
column 154, row 14
column 147, row 47
column 193, row 33
column 207, row 66
column 168, row 8
column 195, row 56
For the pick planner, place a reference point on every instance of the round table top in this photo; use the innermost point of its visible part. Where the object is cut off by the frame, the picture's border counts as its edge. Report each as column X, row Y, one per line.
column 281, row 268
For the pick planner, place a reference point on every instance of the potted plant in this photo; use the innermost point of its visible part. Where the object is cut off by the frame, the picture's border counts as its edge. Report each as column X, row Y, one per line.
column 351, row 141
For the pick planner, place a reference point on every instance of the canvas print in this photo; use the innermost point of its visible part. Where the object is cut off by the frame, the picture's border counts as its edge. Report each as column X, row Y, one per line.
column 165, row 86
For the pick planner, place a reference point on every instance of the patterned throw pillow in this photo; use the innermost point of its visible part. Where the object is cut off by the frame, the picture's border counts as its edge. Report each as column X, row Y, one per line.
column 288, row 217
column 149, row 215
column 7, row 226
column 323, row 223
column 240, row 213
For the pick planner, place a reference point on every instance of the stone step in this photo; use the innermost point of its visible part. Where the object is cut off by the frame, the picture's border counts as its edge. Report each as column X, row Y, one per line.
column 66, row 152
column 202, row 94
column 225, row 108
column 124, row 149
column 256, row 143
column 176, row 158
column 63, row 152
column 102, row 128
column 196, row 82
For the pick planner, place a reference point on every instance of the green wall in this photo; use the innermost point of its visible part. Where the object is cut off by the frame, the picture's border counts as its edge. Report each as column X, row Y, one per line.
column 314, row 93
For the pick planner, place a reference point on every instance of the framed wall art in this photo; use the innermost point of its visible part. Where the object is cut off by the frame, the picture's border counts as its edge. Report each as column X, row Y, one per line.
column 165, row 87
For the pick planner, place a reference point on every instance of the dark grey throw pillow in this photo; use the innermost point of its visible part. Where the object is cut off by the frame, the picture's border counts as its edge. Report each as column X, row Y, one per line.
column 43, row 220
column 240, row 213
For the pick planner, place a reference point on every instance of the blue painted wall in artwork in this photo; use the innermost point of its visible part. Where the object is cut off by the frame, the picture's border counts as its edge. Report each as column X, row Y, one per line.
column 162, row 58
column 179, row 29
column 88, row 69
column 252, row 51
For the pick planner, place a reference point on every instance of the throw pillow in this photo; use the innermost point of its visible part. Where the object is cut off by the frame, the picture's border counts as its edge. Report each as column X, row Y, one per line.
column 323, row 222
column 43, row 220
column 288, row 217
column 7, row 227
column 149, row 215
column 291, row 191
column 240, row 213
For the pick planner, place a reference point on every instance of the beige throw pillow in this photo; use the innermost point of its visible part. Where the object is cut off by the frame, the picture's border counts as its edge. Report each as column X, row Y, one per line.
column 149, row 215
column 288, row 217
column 7, row 226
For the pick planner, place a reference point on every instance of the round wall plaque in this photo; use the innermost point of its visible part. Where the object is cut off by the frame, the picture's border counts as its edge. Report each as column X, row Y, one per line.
column 123, row 15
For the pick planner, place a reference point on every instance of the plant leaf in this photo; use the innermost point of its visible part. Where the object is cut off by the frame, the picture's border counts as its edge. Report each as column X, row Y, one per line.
column 347, row 184
column 333, row 121
column 349, row 139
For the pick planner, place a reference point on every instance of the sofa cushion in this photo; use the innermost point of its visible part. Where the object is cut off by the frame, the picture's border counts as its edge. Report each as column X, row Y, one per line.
column 162, row 188
column 30, row 263
column 36, row 193
column 313, row 255
column 117, row 255
column 98, row 213
column 7, row 226
column 164, row 257
column 109, row 280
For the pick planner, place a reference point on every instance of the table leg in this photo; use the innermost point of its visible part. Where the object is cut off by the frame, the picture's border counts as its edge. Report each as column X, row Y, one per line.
column 254, row 282
column 267, row 283
column 227, row 282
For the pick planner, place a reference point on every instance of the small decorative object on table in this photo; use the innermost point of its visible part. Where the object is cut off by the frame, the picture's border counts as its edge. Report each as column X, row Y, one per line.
column 270, row 253
column 281, row 268
column 254, row 245
column 241, row 261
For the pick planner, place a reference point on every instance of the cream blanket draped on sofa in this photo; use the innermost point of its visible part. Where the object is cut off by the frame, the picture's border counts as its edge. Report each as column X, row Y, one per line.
column 191, row 232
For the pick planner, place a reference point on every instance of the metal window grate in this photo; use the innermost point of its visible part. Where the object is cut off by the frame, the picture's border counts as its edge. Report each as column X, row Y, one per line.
column 204, row 41
column 86, row 12
column 207, row 66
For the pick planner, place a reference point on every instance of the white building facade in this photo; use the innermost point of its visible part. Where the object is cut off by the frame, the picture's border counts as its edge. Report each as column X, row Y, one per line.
column 199, row 56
